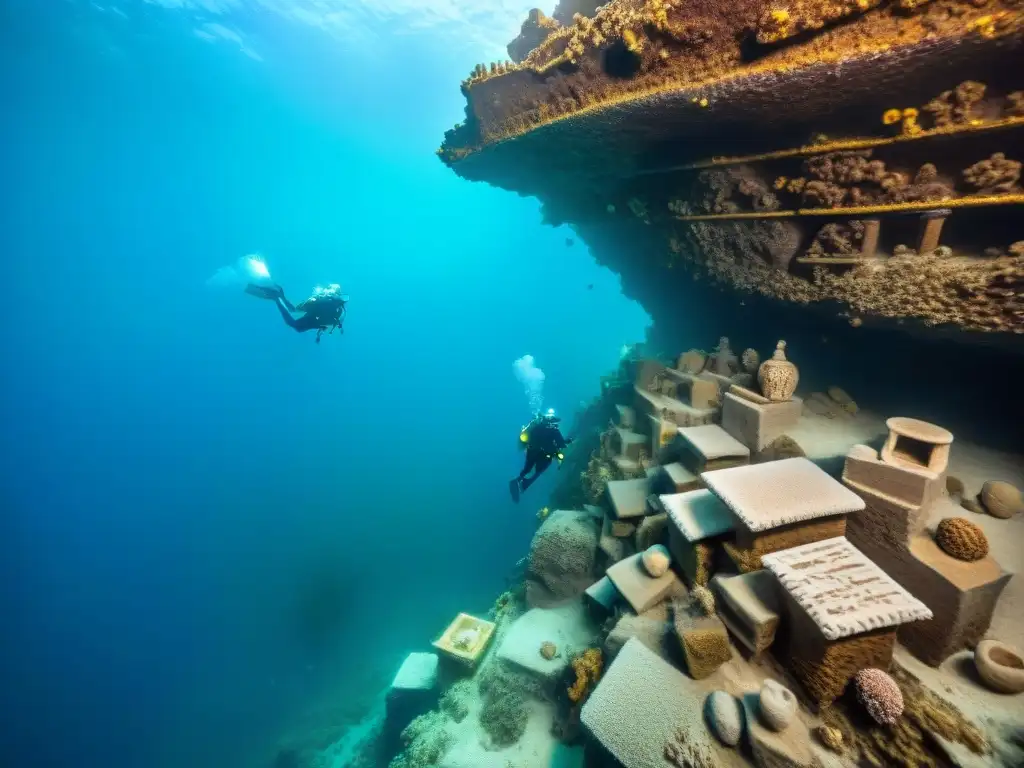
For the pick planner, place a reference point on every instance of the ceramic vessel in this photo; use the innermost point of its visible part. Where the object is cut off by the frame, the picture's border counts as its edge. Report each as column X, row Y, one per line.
column 724, row 359
column 778, row 377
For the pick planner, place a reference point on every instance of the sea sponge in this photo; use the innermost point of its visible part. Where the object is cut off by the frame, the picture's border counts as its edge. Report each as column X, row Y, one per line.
column 908, row 743
column 956, row 106
column 680, row 752
column 960, row 538
column 563, row 553
column 880, row 695
column 587, row 669
column 993, row 176
column 503, row 716
column 704, row 598
column 892, row 116
column 426, row 741
column 455, row 701
column 1014, row 104
column 1000, row 499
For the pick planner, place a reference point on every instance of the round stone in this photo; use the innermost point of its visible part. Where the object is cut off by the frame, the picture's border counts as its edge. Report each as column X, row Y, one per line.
column 1000, row 666
column 1001, row 499
column 725, row 717
column 655, row 559
column 778, row 705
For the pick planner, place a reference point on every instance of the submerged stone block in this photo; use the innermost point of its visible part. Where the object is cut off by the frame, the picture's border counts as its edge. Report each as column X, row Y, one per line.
column 639, row 588
column 708, row 447
column 628, row 498
column 413, row 692
column 639, row 704
column 705, row 643
column 673, row 478
column 910, row 485
column 755, row 424
column 749, row 605
column 962, row 597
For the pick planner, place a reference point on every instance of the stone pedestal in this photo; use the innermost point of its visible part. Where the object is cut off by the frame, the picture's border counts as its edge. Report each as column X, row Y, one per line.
column 916, row 444
column 616, row 541
column 413, row 692
column 841, row 612
column 707, row 448
column 749, row 606
column 704, row 641
column 962, row 597
column 912, row 486
column 825, row 667
column 869, row 245
column 930, row 231
column 662, row 432
column 696, row 391
column 638, row 588
column 601, row 597
column 694, row 559
column 654, row 404
column 629, row 444
column 565, row 627
column 698, row 522
column 673, row 478
column 756, row 425
column 627, row 498
column 886, row 523
column 627, row 416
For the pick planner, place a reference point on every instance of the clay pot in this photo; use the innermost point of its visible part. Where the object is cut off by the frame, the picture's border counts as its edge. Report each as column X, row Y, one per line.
column 1000, row 666
column 778, row 377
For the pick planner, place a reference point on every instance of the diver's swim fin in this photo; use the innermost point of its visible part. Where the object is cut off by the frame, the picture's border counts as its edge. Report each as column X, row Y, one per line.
column 513, row 488
column 271, row 292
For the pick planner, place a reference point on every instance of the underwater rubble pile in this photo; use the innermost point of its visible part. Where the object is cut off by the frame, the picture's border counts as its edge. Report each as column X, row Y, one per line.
column 861, row 160
column 754, row 586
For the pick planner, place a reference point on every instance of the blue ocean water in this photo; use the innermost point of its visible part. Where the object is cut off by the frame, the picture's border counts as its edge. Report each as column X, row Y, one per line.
column 217, row 534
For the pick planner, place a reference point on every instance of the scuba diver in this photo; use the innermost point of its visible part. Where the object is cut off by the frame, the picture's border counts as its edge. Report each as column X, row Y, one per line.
column 323, row 311
column 543, row 442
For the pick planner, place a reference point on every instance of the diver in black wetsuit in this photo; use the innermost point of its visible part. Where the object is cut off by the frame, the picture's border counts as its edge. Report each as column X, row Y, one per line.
column 323, row 311
column 544, row 442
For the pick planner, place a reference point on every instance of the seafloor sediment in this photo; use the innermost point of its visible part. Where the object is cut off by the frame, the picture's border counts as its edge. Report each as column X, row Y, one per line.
column 858, row 159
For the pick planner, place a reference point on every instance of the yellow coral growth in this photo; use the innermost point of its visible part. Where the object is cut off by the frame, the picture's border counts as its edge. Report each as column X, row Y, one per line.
column 588, row 670
column 892, row 116
column 633, row 44
column 987, row 26
column 776, row 25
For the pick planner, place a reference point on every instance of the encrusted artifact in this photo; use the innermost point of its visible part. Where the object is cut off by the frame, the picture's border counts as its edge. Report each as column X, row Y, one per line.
column 1000, row 666
column 778, row 377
